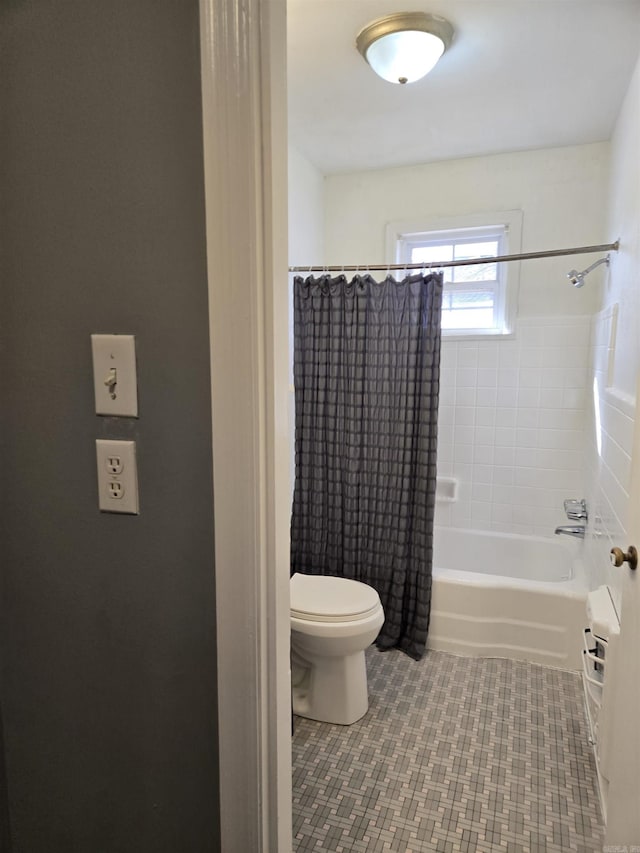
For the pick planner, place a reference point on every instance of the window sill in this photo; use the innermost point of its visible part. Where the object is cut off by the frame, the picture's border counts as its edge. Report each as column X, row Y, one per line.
column 477, row 335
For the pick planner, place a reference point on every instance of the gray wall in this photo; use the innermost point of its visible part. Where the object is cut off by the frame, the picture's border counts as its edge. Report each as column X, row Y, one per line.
column 107, row 623
column 5, row 839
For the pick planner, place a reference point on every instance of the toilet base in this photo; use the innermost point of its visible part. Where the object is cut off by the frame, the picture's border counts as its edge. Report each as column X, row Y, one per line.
column 330, row 689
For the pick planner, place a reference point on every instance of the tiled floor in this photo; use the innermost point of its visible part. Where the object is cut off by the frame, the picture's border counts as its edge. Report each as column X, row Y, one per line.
column 455, row 754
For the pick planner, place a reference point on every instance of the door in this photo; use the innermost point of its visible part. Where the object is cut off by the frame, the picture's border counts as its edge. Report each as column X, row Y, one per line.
column 623, row 825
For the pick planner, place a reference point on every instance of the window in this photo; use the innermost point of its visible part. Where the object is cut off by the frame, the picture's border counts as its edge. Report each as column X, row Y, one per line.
column 478, row 299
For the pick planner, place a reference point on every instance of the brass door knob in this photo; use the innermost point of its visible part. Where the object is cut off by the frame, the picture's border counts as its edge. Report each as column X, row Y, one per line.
column 618, row 557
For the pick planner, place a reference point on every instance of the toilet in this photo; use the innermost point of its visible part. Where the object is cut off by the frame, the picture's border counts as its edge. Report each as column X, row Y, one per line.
column 333, row 620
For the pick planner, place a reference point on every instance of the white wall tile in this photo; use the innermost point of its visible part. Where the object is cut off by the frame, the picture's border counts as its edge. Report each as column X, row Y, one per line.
column 502, row 513
column 530, row 377
column 617, row 460
column 560, row 439
column 447, row 395
column 507, row 377
column 460, row 515
column 488, row 355
column 483, row 474
column 462, row 471
column 443, row 514
column 445, row 416
column 526, row 437
column 503, row 494
column 506, row 397
column 552, row 357
column 553, row 377
column 484, row 436
column 487, row 397
column 463, row 435
column 506, row 416
column 504, row 456
column 483, row 454
column 527, row 477
column 486, row 417
column 445, row 453
column 448, row 357
column 617, row 423
column 555, row 336
column 505, row 436
column 503, row 475
column 575, row 377
column 553, row 398
column 487, row 377
column 482, row 492
column 465, row 415
column 463, row 453
column 480, row 513
column 465, row 396
column 531, row 357
column 466, row 377
column 531, row 333
column 579, row 334
column 508, row 354
column 512, row 430
column 468, row 357
column 521, row 514
column 448, row 377
column 524, row 496
column 530, row 398
column 560, row 419
column 574, row 398
column 526, row 457
column 528, row 418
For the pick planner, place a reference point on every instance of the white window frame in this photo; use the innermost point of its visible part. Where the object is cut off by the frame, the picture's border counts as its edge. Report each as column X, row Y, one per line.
column 402, row 237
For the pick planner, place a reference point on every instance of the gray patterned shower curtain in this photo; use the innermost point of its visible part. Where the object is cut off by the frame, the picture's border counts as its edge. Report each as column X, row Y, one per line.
column 367, row 373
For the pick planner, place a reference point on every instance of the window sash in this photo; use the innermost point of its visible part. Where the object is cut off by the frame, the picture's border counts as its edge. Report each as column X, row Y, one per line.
column 495, row 285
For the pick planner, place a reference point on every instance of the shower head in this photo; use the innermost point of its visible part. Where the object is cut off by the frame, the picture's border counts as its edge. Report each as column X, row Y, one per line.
column 577, row 278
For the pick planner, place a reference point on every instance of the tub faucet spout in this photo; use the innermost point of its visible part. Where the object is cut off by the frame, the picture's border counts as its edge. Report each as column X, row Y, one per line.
column 571, row 530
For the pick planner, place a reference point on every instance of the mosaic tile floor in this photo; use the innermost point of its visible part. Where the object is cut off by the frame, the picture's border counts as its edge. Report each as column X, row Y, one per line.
column 455, row 754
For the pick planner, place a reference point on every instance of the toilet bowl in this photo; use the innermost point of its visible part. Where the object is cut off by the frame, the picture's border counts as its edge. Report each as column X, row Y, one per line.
column 333, row 620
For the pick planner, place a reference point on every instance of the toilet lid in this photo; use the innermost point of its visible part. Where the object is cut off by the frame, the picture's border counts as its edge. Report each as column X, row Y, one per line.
column 329, row 599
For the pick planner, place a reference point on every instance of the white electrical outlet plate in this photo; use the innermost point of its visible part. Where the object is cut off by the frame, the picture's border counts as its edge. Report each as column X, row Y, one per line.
column 117, row 476
column 114, row 375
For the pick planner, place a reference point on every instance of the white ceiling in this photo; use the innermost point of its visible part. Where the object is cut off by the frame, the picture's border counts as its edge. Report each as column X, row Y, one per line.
column 520, row 74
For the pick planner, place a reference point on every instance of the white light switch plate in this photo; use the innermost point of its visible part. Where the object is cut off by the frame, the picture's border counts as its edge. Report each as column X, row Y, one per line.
column 117, row 476
column 114, row 375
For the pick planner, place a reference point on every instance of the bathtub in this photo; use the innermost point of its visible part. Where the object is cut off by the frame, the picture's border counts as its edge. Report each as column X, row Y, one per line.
column 510, row 596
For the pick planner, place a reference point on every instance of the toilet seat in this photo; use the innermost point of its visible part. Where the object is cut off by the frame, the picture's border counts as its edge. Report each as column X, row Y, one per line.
column 324, row 598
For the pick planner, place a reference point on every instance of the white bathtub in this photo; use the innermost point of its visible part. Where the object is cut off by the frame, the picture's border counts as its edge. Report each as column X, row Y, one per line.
column 509, row 596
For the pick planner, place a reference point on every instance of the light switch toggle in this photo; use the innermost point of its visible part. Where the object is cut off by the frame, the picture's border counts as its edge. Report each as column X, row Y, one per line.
column 111, row 381
column 114, row 375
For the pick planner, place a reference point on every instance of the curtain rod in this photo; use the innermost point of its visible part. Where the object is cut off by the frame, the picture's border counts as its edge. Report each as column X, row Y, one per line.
column 524, row 256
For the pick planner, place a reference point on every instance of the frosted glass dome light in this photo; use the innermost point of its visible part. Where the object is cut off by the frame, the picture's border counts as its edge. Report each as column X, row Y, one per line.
column 402, row 48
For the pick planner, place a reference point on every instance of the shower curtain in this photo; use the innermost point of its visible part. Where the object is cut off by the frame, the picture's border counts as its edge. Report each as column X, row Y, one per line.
column 366, row 373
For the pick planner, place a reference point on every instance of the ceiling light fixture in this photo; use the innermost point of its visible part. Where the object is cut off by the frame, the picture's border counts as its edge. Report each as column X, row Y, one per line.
column 402, row 48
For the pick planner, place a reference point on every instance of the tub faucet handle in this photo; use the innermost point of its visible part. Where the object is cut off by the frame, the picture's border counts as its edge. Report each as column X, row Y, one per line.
column 576, row 510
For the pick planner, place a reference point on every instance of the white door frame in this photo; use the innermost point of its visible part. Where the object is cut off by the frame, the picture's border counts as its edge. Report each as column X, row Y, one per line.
column 243, row 51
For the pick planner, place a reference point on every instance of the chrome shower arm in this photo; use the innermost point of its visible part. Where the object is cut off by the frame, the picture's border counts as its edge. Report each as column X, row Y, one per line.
column 577, row 278
column 596, row 264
